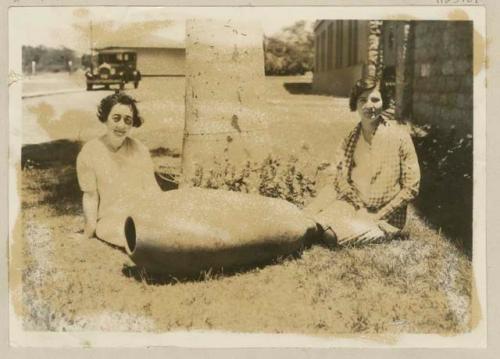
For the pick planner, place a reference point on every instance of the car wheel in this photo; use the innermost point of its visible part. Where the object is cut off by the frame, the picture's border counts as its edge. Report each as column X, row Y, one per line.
column 89, row 87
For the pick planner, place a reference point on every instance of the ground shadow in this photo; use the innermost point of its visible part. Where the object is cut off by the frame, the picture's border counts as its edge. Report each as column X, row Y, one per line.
column 49, row 171
column 109, row 89
column 50, row 154
column 165, row 151
column 140, row 274
column 166, row 181
column 299, row 88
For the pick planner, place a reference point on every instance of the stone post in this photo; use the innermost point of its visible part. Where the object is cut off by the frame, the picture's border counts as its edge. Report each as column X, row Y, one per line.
column 374, row 56
column 225, row 119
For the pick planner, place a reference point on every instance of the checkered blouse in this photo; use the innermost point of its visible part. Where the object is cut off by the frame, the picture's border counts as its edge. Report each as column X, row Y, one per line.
column 395, row 173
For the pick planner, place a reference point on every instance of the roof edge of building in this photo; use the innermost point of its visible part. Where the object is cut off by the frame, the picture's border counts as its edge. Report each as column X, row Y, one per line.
column 318, row 23
column 140, row 47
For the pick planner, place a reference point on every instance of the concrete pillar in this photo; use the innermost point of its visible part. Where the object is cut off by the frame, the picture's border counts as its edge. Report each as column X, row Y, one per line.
column 225, row 119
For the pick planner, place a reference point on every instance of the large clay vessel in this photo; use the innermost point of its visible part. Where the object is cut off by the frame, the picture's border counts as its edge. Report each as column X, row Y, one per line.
column 183, row 232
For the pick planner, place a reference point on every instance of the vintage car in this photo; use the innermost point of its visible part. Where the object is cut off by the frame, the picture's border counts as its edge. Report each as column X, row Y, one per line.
column 114, row 67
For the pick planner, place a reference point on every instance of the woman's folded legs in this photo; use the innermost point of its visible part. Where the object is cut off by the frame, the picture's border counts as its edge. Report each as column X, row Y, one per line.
column 339, row 224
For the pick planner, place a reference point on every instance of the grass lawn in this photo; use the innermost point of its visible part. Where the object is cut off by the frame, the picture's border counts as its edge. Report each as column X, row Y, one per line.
column 418, row 285
column 421, row 285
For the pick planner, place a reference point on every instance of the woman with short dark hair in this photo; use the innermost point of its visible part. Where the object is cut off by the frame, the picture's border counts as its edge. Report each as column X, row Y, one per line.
column 377, row 174
column 114, row 170
column 107, row 103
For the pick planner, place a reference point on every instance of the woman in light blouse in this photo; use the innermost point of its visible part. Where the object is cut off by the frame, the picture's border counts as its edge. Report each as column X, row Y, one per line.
column 114, row 170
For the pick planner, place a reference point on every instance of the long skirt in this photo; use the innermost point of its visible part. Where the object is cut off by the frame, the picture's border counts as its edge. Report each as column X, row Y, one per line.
column 346, row 223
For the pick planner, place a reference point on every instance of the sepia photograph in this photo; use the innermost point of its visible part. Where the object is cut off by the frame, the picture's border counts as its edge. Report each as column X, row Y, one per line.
column 306, row 173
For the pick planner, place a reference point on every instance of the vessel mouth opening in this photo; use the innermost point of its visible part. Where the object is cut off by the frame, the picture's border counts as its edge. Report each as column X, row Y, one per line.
column 130, row 235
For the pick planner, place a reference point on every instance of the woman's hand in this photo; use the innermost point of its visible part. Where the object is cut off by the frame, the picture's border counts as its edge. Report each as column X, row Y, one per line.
column 89, row 230
column 90, row 205
column 388, row 229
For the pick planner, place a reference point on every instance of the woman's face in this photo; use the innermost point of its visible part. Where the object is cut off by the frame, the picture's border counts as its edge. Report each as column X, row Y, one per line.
column 119, row 122
column 369, row 105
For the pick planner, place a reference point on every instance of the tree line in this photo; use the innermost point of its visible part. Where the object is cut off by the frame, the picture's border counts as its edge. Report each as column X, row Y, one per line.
column 290, row 52
column 49, row 59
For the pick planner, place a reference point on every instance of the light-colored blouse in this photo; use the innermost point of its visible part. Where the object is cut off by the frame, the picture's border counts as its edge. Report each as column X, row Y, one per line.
column 391, row 178
column 120, row 178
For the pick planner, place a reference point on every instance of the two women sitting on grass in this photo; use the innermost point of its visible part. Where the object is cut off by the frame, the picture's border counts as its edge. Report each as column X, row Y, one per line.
column 377, row 174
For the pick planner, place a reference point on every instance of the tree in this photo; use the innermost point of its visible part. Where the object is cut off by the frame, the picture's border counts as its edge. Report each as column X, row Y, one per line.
column 290, row 52
column 47, row 58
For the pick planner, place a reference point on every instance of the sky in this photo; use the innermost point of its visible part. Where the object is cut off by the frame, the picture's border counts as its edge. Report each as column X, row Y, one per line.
column 57, row 26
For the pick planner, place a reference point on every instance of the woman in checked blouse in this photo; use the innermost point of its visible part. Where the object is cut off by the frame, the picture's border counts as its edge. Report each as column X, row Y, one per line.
column 377, row 175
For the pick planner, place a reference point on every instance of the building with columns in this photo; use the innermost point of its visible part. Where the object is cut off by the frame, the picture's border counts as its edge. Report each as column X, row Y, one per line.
column 342, row 54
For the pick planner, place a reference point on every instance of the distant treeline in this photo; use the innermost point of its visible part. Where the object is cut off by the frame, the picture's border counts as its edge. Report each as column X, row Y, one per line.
column 49, row 59
column 290, row 52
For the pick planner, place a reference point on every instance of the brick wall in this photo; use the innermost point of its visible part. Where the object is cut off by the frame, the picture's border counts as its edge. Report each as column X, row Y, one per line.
column 441, row 96
column 442, row 81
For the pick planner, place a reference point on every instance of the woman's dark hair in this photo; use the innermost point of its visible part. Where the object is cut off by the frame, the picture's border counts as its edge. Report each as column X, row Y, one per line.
column 110, row 101
column 361, row 86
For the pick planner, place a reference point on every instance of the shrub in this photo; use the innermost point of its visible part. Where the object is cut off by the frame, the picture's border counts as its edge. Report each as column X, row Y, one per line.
column 446, row 161
column 272, row 177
